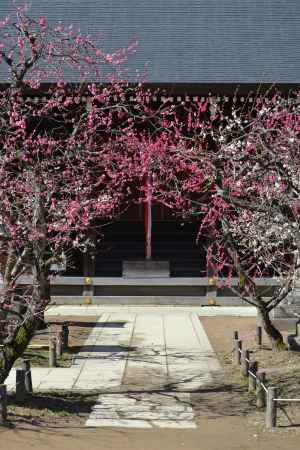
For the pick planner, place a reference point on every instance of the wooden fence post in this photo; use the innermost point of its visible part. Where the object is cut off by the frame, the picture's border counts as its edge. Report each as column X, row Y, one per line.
column 2, row 325
column 59, row 344
column 258, row 337
column 260, row 392
column 28, row 378
column 245, row 363
column 20, row 386
column 65, row 335
column 298, row 328
column 3, row 404
column 235, row 336
column 52, row 352
column 253, row 366
column 52, row 329
column 271, row 411
column 10, row 330
column 237, row 352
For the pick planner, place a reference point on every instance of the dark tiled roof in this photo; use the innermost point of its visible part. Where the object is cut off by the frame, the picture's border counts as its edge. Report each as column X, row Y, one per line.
column 192, row 41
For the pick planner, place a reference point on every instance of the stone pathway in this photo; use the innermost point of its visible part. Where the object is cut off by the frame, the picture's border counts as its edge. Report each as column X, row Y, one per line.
column 145, row 352
column 148, row 357
column 162, row 410
column 204, row 311
column 145, row 364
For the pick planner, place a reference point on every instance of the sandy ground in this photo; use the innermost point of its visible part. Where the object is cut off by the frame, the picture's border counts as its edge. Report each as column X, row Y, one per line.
column 220, row 330
column 229, row 433
column 79, row 329
column 227, row 419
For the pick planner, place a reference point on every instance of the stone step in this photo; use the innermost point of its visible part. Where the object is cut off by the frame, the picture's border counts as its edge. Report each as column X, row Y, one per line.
column 141, row 408
column 142, row 414
column 130, row 423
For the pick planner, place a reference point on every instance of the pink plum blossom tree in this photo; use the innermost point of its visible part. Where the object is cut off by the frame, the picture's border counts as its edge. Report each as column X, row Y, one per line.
column 60, row 171
column 243, row 186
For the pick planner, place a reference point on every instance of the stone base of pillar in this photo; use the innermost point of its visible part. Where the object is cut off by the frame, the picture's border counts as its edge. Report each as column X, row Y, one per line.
column 146, row 269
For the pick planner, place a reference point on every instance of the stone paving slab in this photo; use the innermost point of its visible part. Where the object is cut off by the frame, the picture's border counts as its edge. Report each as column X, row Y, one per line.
column 141, row 408
column 147, row 360
column 104, row 364
column 142, row 351
column 143, row 411
column 204, row 311
column 165, row 349
column 120, row 423
column 47, row 379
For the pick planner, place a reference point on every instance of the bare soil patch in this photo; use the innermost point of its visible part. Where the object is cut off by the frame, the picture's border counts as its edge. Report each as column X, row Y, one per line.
column 229, row 395
column 55, row 408
column 52, row 409
column 223, row 433
column 79, row 329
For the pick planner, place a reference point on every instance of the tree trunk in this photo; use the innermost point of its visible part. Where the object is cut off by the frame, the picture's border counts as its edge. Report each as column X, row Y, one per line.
column 272, row 332
column 41, row 294
column 40, row 270
column 12, row 351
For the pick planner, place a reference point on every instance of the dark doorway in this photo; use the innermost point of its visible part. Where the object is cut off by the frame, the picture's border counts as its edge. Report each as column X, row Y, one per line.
column 172, row 240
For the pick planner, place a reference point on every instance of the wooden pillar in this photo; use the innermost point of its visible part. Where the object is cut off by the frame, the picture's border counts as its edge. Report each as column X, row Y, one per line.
column 89, row 257
column 88, row 265
column 211, row 289
column 148, row 219
column 88, row 273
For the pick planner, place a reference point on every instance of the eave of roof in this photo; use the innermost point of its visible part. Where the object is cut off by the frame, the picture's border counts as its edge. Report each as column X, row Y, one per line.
column 191, row 41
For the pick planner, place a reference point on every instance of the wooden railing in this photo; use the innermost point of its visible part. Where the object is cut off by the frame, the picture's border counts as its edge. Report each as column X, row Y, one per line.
column 205, row 290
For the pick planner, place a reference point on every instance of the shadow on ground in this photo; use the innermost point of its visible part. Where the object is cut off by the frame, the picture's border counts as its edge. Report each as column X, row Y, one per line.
column 222, row 399
column 97, row 324
column 50, row 408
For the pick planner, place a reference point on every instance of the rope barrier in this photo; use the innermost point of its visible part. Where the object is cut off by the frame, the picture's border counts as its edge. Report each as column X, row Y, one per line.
column 252, row 374
column 265, row 395
column 264, row 387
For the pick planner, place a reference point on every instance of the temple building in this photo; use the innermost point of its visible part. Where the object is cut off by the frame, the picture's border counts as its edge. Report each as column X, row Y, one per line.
column 191, row 49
